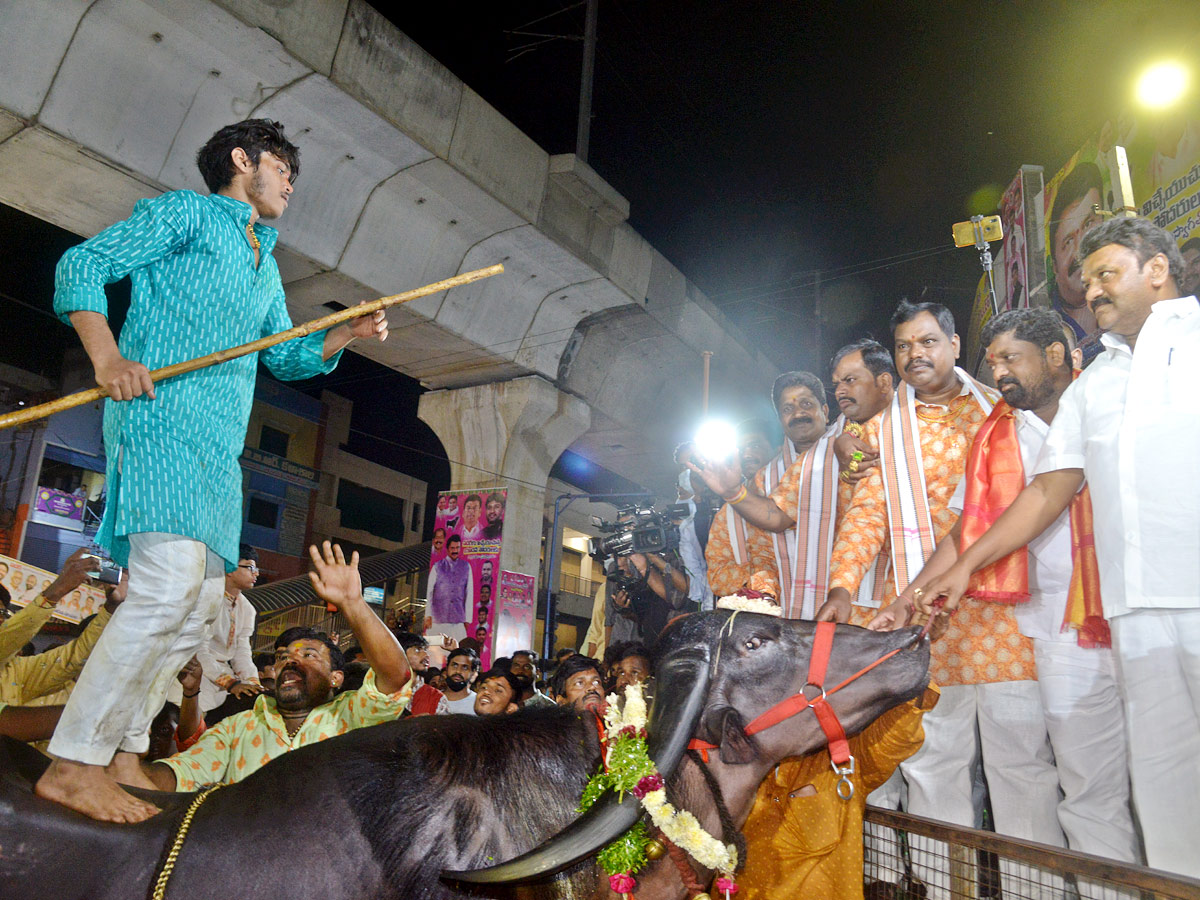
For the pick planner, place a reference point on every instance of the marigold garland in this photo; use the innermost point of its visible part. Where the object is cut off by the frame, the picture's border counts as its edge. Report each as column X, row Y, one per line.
column 627, row 767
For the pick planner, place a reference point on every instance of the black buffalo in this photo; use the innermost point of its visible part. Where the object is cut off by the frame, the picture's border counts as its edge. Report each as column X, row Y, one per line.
column 427, row 807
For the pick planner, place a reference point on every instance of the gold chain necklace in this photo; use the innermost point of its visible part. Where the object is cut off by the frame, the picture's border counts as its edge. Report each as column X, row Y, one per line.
column 253, row 237
column 160, row 885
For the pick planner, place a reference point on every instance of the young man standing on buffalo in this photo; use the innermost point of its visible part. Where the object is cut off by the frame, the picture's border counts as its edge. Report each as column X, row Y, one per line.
column 203, row 280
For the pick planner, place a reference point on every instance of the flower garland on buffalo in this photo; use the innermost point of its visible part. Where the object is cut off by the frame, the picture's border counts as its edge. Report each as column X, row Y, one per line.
column 626, row 767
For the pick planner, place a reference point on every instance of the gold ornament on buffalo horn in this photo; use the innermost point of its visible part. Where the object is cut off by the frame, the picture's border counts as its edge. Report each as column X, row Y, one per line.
column 701, row 897
column 655, row 849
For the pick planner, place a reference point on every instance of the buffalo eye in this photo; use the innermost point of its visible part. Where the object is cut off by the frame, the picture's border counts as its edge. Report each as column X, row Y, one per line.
column 753, row 643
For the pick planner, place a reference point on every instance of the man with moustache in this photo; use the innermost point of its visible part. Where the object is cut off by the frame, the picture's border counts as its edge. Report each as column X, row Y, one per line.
column 523, row 669
column 1076, row 679
column 493, row 513
column 736, row 549
column 305, row 706
column 807, row 489
column 1130, row 426
column 579, row 682
column 924, row 437
column 451, row 588
column 462, row 668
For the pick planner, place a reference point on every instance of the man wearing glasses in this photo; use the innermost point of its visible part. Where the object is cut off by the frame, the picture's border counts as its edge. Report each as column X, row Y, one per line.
column 225, row 655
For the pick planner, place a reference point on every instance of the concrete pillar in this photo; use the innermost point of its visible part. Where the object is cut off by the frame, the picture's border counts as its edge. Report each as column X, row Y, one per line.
column 507, row 434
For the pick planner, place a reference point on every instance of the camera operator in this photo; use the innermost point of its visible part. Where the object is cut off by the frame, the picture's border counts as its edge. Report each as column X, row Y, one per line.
column 644, row 593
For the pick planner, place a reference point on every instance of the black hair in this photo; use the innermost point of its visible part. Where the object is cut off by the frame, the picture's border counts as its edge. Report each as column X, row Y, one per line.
column 908, row 311
column 507, row 676
column 680, row 449
column 245, row 551
column 474, row 497
column 533, row 657
column 1036, row 325
column 1073, row 188
column 254, row 136
column 573, row 665
column 1190, row 244
column 262, row 660
column 624, row 650
column 337, row 660
column 352, row 651
column 408, row 640
column 875, row 357
column 798, row 379
column 467, row 652
column 499, row 498
column 353, row 676
column 452, row 538
column 1142, row 236
column 563, row 653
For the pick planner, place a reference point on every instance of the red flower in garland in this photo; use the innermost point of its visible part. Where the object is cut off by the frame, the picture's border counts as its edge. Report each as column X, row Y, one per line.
column 646, row 784
column 622, row 882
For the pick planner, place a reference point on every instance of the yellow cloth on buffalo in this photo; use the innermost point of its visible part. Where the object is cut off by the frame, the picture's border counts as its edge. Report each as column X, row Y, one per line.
column 243, row 743
column 807, row 844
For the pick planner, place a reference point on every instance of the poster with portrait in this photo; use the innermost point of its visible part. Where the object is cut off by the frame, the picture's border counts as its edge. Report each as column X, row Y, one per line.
column 25, row 582
column 516, row 604
column 464, row 563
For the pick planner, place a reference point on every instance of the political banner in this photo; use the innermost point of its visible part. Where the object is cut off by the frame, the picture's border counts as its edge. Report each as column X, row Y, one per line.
column 516, row 604
column 24, row 583
column 463, row 564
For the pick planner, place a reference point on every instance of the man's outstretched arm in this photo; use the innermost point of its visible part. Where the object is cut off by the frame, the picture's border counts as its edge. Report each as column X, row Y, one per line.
column 1034, row 510
column 336, row 582
column 725, row 479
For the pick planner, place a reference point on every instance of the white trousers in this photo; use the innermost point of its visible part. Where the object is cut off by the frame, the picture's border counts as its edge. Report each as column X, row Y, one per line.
column 1158, row 663
column 175, row 589
column 1085, row 717
column 1003, row 726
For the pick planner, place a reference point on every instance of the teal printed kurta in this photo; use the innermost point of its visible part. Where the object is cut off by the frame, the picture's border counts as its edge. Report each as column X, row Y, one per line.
column 173, row 461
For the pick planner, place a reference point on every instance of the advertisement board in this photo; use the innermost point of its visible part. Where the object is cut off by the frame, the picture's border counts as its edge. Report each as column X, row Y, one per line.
column 464, row 563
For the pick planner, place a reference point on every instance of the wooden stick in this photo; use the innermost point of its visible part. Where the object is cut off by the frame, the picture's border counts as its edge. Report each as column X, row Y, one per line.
column 20, row 417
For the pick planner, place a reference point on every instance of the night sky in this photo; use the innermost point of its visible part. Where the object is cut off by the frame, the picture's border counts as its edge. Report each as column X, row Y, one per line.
column 759, row 142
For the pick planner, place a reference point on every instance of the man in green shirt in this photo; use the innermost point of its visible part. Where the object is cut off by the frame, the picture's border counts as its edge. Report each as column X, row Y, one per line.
column 203, row 279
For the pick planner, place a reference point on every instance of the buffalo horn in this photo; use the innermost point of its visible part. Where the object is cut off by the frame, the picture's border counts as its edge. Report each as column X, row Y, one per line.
column 681, row 690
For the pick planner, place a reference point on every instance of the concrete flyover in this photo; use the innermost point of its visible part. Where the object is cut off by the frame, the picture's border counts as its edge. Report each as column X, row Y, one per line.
column 408, row 177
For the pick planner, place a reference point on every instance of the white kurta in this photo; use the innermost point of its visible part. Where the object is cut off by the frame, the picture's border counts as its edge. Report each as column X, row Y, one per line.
column 1132, row 423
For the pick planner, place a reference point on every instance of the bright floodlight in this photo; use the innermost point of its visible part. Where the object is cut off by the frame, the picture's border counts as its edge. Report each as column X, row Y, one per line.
column 1162, row 85
column 716, row 440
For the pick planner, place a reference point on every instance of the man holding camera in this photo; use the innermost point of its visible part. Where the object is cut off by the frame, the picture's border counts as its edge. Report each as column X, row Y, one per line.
column 641, row 590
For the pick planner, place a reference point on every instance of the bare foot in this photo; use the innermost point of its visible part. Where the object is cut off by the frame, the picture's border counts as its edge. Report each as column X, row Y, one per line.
column 91, row 791
column 126, row 768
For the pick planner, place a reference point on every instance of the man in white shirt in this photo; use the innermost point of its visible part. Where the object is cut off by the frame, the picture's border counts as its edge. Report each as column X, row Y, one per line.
column 225, row 655
column 1131, row 425
column 462, row 668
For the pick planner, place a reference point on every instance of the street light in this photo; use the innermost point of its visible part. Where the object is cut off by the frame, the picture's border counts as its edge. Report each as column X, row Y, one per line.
column 1162, row 85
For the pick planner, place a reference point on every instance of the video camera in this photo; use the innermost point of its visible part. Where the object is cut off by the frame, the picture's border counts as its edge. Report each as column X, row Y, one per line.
column 638, row 529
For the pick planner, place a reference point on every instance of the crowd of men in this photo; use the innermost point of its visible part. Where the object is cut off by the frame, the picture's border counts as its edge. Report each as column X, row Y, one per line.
column 1049, row 525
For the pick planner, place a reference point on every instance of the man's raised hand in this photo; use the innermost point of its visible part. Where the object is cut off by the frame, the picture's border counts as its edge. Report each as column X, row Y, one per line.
column 723, row 476
column 189, row 676
column 335, row 580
